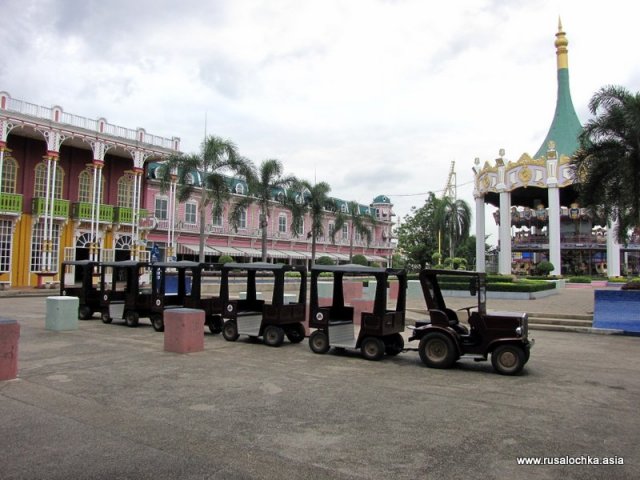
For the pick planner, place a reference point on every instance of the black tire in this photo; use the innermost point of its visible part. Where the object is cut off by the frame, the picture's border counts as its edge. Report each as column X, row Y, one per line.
column 393, row 344
column 106, row 318
column 131, row 318
column 508, row 359
column 372, row 348
column 85, row 312
column 215, row 324
column 157, row 322
column 273, row 336
column 230, row 331
column 437, row 350
column 295, row 333
column 319, row 342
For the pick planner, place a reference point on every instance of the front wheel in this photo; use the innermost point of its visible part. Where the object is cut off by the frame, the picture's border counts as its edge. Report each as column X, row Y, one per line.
column 131, row 318
column 319, row 342
column 230, row 331
column 273, row 336
column 105, row 318
column 295, row 333
column 508, row 359
column 437, row 350
column 158, row 323
column 372, row 348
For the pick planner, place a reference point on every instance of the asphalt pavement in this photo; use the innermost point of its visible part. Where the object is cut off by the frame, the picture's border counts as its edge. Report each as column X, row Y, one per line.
column 107, row 402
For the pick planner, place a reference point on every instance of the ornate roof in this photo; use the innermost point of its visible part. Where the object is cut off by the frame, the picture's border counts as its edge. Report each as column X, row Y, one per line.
column 565, row 127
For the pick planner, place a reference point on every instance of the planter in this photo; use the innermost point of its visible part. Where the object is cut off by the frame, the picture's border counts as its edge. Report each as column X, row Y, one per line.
column 617, row 309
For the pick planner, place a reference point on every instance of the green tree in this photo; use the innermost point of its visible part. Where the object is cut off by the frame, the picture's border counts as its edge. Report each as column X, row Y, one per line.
column 418, row 234
column 317, row 202
column 263, row 190
column 217, row 159
column 360, row 259
column 607, row 164
column 357, row 222
column 453, row 218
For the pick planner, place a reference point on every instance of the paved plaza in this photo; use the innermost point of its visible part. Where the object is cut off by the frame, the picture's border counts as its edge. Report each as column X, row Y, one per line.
column 106, row 402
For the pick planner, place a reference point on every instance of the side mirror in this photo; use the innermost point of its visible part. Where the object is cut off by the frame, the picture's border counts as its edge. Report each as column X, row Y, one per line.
column 473, row 286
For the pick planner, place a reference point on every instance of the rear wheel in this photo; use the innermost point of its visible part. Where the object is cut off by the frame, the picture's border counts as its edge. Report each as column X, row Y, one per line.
column 105, row 318
column 508, row 359
column 319, row 342
column 437, row 350
column 157, row 322
column 295, row 333
column 372, row 348
column 85, row 312
column 131, row 318
column 230, row 331
column 273, row 336
column 393, row 344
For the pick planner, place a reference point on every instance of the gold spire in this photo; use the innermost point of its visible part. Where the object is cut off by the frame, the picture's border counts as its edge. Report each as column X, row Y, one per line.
column 561, row 47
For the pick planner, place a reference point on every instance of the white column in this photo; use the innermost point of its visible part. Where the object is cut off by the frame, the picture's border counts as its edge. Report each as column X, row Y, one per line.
column 504, row 233
column 613, row 251
column 554, row 229
column 480, row 234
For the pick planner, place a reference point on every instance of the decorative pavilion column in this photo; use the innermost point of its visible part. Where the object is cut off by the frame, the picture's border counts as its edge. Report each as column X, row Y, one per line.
column 613, row 251
column 553, row 193
column 137, row 186
column 171, row 232
column 480, row 233
column 504, row 232
column 95, row 209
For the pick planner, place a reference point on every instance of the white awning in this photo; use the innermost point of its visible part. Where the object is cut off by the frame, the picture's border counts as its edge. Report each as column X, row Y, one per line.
column 225, row 250
column 294, row 254
column 277, row 254
column 250, row 252
column 340, row 256
column 187, row 249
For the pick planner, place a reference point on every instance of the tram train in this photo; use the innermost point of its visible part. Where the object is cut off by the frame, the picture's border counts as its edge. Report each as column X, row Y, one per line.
column 130, row 290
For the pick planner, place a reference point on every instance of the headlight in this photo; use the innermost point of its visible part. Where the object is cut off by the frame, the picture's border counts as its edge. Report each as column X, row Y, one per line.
column 519, row 331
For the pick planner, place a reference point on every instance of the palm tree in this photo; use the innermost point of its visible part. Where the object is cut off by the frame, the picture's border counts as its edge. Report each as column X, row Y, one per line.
column 607, row 164
column 317, row 201
column 360, row 223
column 453, row 218
column 216, row 158
column 269, row 179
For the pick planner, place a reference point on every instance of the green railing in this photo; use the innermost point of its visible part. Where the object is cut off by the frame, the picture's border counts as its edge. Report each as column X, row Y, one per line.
column 11, row 203
column 60, row 207
column 125, row 214
column 82, row 211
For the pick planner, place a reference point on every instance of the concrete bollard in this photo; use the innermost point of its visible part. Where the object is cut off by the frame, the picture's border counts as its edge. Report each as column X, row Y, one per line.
column 62, row 313
column 9, row 335
column 183, row 330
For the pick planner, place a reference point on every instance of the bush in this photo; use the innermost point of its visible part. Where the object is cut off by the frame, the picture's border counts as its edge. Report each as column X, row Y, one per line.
column 225, row 259
column 359, row 259
column 545, row 268
column 633, row 284
column 580, row 279
column 617, row 280
column 324, row 260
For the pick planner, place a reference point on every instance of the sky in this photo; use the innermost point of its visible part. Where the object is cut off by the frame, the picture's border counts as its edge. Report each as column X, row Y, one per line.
column 372, row 96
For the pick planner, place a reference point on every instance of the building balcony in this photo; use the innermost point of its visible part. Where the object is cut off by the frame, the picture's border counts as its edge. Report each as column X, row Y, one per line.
column 124, row 215
column 10, row 204
column 82, row 211
column 60, row 207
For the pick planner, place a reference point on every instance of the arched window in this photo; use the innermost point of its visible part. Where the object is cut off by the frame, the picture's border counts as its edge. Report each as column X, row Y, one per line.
column 85, row 186
column 125, row 191
column 239, row 189
column 9, row 175
column 84, row 241
column 124, row 242
column 40, row 181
